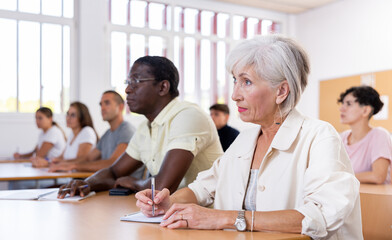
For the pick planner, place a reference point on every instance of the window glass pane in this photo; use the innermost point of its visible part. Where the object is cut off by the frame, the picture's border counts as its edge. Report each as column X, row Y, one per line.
column 30, row 6
column 176, row 50
column 119, row 61
column 51, row 66
column 8, row 65
column 266, row 27
column 177, row 18
column 68, row 8
column 29, row 68
column 168, row 18
column 190, row 20
column 8, row 5
column 138, row 47
column 252, row 27
column 221, row 70
column 51, row 7
column 205, row 101
column 119, row 12
column 277, row 27
column 189, row 69
column 206, row 22
column 138, row 13
column 155, row 12
column 205, row 74
column 155, row 46
column 222, row 30
column 205, row 55
column 237, row 27
column 258, row 27
column 66, row 66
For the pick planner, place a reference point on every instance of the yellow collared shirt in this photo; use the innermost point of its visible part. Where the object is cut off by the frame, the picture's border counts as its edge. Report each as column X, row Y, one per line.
column 180, row 125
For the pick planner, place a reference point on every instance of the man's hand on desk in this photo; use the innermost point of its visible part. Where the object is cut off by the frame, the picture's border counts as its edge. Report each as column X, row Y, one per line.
column 126, row 182
column 39, row 162
column 75, row 187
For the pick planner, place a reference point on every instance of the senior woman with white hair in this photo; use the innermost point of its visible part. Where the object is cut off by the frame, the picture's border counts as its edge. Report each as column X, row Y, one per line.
column 290, row 174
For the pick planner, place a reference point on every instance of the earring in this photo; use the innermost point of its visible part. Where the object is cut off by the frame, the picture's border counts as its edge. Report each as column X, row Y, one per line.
column 280, row 114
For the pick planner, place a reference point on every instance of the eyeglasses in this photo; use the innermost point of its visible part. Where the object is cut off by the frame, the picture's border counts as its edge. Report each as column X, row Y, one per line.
column 133, row 82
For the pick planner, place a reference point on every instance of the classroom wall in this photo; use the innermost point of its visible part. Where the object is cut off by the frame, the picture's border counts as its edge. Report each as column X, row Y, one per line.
column 91, row 71
column 18, row 131
column 344, row 38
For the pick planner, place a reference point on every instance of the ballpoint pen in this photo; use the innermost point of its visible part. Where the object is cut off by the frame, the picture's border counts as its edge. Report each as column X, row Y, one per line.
column 152, row 195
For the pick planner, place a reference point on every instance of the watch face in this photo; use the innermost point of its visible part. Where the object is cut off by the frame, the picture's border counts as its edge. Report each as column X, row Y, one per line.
column 240, row 224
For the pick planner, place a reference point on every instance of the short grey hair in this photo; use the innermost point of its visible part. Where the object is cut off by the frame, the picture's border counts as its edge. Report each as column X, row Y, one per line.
column 274, row 58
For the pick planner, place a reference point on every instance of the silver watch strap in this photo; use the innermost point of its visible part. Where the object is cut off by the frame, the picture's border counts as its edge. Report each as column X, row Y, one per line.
column 241, row 214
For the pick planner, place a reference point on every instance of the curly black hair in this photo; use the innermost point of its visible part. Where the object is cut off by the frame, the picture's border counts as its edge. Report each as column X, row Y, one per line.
column 162, row 69
column 366, row 96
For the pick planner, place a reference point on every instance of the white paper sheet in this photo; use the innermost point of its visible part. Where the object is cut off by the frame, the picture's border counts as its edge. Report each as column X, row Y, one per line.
column 28, row 194
column 53, row 197
column 140, row 217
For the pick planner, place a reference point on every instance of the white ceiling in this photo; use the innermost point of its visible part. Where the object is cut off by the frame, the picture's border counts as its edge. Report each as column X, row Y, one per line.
column 286, row 6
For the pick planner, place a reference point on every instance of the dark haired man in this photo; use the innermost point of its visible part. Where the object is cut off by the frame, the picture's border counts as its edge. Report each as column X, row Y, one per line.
column 176, row 142
column 220, row 114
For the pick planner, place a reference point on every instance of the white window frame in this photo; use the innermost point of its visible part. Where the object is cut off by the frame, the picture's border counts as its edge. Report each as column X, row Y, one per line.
column 169, row 35
column 42, row 19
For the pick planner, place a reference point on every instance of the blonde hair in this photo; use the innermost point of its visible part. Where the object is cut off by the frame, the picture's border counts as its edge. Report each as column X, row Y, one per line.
column 274, row 58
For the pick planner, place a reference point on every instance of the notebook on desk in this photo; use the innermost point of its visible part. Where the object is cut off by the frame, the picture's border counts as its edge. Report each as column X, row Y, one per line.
column 53, row 197
column 28, row 194
column 49, row 194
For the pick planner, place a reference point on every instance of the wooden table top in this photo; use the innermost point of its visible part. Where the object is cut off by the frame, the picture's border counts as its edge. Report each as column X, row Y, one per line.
column 383, row 189
column 97, row 218
column 24, row 171
column 9, row 160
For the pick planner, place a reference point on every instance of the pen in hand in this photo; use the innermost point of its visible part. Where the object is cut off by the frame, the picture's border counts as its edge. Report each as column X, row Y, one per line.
column 152, row 195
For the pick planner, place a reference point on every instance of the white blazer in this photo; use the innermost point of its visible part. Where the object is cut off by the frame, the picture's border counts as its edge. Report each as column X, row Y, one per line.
column 306, row 168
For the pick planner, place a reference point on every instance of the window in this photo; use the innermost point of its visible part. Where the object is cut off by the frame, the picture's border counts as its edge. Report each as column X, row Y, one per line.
column 35, row 64
column 196, row 40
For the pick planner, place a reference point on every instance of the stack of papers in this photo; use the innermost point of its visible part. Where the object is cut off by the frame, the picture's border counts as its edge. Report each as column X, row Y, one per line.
column 140, row 217
column 49, row 194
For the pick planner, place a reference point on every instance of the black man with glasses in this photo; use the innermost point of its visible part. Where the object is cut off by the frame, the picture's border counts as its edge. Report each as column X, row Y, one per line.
column 175, row 142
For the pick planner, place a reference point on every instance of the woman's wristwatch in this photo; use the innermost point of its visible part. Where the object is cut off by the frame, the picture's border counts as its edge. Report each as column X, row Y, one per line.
column 240, row 222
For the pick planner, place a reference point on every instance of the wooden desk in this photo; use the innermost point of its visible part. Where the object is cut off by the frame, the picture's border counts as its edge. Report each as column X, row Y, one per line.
column 24, row 171
column 99, row 218
column 9, row 160
column 376, row 208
